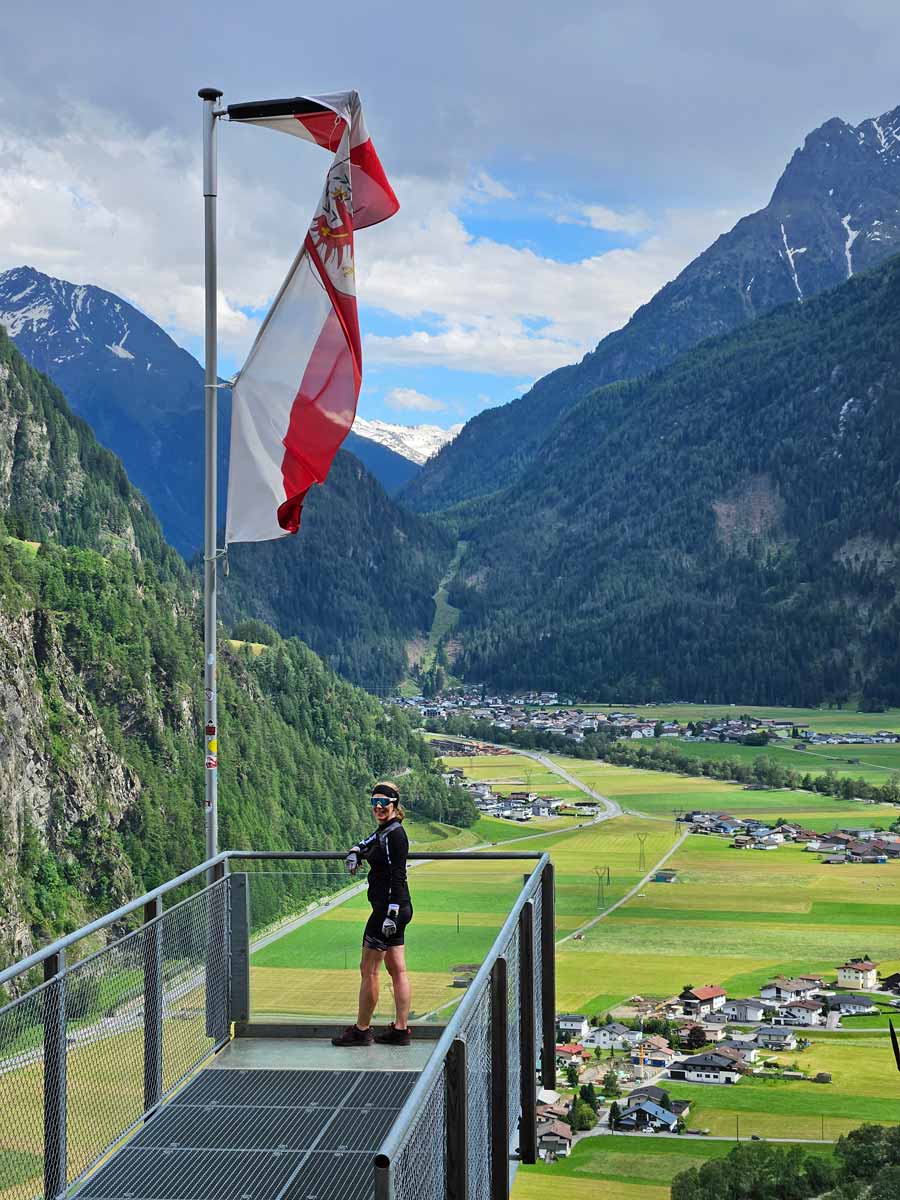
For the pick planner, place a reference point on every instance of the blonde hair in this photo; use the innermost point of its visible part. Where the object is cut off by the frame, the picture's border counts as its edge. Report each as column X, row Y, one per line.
column 391, row 792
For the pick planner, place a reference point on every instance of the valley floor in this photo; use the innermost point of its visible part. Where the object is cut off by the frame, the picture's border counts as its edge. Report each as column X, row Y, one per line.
column 732, row 918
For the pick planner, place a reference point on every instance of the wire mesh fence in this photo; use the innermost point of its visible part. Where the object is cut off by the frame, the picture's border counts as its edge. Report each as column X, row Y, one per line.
column 22, row 1093
column 477, row 1034
column 420, row 1167
column 513, row 1084
column 475, row 1024
column 85, row 1055
column 538, row 974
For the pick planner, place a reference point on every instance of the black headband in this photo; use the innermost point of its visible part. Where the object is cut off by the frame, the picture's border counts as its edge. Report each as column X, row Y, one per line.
column 385, row 789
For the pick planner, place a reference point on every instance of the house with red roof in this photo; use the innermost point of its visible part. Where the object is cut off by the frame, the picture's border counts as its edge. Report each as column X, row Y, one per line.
column 858, row 973
column 700, row 1001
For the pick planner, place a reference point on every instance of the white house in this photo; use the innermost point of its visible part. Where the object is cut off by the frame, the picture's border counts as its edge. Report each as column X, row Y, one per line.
column 743, row 1010
column 711, row 1067
column 554, row 1139
column 573, row 1027
column 858, row 973
column 800, row 1012
column 776, row 1039
column 611, row 1037
column 747, row 1048
column 700, row 1001
column 852, row 1006
column 787, row 991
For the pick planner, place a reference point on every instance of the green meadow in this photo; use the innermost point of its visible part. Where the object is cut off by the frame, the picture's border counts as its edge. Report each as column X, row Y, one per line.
column 734, row 918
column 822, row 720
column 662, row 794
column 865, row 1087
column 875, row 764
column 621, row 1168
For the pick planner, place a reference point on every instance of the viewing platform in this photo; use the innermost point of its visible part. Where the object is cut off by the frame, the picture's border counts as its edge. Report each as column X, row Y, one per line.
column 137, row 1061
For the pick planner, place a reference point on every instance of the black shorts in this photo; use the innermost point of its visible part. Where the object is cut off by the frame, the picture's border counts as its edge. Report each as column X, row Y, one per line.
column 372, row 935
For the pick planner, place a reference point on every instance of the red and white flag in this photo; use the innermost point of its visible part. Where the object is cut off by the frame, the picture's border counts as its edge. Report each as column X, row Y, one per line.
column 295, row 399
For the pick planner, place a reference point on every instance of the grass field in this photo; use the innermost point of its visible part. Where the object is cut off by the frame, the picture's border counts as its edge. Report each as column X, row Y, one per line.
column 732, row 918
column 513, row 773
column 866, row 1087
column 662, row 794
column 735, row 919
column 620, row 1168
column 823, row 720
column 875, row 764
column 459, row 908
column 445, row 615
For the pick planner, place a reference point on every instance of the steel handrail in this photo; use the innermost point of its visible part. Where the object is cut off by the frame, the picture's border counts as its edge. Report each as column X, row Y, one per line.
column 425, row 856
column 35, row 960
column 39, row 956
column 395, row 1138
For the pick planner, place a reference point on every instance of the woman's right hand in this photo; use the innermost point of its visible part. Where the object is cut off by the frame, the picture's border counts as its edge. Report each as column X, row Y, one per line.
column 352, row 861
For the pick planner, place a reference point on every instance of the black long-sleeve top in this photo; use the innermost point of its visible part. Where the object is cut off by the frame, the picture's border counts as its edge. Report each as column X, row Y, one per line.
column 386, row 851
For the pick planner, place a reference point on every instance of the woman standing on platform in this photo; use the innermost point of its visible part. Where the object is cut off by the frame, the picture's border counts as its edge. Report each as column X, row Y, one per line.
column 386, row 851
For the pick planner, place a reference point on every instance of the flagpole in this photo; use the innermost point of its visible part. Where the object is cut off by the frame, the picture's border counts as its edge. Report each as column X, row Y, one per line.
column 210, row 96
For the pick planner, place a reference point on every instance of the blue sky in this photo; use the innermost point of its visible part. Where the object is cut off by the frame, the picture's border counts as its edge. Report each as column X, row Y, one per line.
column 554, row 169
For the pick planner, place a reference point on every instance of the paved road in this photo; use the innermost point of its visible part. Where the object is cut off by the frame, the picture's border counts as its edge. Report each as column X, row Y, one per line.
column 716, row 1137
column 613, row 809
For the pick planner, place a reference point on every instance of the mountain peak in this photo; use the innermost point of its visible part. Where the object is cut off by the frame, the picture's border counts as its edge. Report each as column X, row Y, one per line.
column 416, row 442
column 833, row 214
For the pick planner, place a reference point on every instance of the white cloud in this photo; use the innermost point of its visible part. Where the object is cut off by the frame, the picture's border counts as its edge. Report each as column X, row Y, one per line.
column 484, row 187
column 97, row 203
column 479, row 294
column 599, row 217
column 408, row 399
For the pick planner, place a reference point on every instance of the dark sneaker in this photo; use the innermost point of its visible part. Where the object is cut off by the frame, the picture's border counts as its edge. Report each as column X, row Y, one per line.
column 393, row 1036
column 353, row 1036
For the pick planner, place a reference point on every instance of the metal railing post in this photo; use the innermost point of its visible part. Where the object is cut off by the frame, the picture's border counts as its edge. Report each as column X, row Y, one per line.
column 527, row 1038
column 384, row 1184
column 239, row 948
column 457, row 1119
column 153, row 1004
column 548, row 977
column 499, row 1082
column 55, row 1160
column 217, row 949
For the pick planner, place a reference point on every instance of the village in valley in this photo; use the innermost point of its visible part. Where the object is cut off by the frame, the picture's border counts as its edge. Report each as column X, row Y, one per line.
column 745, row 872
column 616, row 1076
column 544, row 712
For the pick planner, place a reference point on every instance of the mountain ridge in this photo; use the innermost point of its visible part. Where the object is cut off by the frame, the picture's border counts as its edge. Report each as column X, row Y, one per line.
column 141, row 393
column 724, row 528
column 793, row 248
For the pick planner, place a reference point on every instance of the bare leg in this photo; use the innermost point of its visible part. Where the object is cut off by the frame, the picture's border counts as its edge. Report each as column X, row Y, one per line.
column 369, row 967
column 395, row 961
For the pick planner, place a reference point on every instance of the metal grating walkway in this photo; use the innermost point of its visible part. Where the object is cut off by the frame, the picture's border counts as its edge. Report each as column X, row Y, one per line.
column 259, row 1135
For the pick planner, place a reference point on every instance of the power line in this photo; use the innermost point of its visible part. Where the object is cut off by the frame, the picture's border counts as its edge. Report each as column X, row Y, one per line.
column 642, row 856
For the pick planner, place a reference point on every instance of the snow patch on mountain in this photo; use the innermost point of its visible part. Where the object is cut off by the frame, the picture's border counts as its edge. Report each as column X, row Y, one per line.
column 418, row 443
column 852, row 235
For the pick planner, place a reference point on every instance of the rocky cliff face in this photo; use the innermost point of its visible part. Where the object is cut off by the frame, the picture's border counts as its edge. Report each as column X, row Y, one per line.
column 833, row 213
column 61, row 783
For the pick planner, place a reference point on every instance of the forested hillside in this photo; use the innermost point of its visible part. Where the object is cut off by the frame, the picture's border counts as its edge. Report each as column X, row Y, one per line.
column 355, row 583
column 101, row 774
column 722, row 530
column 833, row 213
